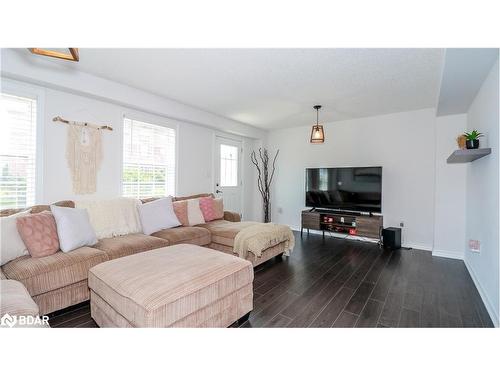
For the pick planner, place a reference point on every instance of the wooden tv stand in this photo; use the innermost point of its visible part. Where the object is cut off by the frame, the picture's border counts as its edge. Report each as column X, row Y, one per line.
column 352, row 224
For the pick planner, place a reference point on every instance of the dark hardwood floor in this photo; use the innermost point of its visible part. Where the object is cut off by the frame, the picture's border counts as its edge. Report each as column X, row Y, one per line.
column 342, row 283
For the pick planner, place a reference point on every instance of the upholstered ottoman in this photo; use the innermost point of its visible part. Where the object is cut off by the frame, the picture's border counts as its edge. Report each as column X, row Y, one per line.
column 174, row 286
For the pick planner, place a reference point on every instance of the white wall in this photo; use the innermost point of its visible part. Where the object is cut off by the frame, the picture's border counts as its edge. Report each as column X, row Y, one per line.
column 18, row 64
column 449, row 210
column 483, row 195
column 195, row 146
column 402, row 143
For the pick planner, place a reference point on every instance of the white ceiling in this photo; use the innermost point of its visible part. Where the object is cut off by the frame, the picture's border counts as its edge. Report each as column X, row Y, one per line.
column 276, row 88
column 464, row 71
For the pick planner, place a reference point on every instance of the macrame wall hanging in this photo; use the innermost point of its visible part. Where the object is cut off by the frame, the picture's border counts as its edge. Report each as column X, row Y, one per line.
column 83, row 154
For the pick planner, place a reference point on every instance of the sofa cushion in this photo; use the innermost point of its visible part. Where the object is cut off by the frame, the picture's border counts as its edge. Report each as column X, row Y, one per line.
column 174, row 199
column 15, row 299
column 45, row 207
column 41, row 275
column 73, row 228
column 39, row 233
column 181, row 211
column 12, row 245
column 208, row 210
column 231, row 216
column 191, row 235
column 2, row 275
column 195, row 196
column 117, row 247
column 218, row 208
column 195, row 216
column 223, row 231
column 35, row 209
column 157, row 215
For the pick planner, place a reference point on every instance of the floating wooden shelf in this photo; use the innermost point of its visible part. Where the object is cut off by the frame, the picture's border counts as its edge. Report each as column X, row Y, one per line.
column 466, row 156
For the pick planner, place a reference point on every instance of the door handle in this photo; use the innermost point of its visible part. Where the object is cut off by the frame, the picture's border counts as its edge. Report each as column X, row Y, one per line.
column 218, row 191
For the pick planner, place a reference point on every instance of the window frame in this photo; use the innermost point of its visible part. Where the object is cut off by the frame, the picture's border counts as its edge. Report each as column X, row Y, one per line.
column 153, row 120
column 237, row 164
column 37, row 93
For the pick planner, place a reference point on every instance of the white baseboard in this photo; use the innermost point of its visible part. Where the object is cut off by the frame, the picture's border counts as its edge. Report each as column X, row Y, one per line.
column 417, row 246
column 447, row 254
column 484, row 296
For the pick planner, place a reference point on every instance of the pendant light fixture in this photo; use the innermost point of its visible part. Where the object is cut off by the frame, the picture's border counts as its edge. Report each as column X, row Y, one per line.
column 317, row 132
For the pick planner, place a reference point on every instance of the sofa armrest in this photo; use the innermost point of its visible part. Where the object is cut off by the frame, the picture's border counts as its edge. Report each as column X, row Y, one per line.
column 16, row 300
column 232, row 216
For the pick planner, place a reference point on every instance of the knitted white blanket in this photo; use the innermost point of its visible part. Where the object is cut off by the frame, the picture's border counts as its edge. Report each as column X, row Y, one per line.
column 259, row 237
column 112, row 217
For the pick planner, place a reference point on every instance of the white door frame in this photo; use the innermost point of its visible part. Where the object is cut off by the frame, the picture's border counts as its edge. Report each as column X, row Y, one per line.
column 238, row 142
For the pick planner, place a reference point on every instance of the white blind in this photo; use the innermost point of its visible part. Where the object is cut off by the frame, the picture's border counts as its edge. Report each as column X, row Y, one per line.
column 148, row 160
column 17, row 151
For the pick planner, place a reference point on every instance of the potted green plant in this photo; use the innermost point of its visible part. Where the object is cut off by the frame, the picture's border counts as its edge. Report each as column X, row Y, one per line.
column 472, row 139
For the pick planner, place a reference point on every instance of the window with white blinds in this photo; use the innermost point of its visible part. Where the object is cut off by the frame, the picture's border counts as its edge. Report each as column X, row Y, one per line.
column 18, row 120
column 148, row 160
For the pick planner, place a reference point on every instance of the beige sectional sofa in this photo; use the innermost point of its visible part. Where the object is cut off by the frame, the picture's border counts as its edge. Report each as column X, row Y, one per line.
column 60, row 280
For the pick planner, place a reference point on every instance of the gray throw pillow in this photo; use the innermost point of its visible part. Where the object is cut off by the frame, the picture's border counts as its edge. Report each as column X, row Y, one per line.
column 73, row 228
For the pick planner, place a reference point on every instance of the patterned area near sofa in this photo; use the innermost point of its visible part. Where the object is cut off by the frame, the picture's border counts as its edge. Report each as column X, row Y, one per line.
column 60, row 280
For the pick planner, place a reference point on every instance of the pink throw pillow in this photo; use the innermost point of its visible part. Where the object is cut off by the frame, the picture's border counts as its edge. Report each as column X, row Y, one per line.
column 181, row 211
column 218, row 208
column 39, row 234
column 207, row 208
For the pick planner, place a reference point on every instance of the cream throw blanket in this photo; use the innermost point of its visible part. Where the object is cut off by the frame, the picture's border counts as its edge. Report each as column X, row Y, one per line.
column 259, row 237
column 112, row 217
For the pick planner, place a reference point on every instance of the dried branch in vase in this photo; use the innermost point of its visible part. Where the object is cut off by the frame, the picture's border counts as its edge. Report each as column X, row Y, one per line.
column 265, row 174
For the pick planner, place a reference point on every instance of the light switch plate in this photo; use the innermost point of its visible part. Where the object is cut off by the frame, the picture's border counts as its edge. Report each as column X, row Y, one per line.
column 475, row 246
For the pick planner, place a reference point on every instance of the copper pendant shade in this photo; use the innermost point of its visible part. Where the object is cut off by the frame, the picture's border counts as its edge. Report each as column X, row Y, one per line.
column 317, row 132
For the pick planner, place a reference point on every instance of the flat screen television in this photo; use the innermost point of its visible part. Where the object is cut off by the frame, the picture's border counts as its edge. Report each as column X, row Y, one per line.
column 345, row 189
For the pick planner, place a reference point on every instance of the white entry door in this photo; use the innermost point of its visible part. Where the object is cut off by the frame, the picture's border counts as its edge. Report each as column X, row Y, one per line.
column 228, row 173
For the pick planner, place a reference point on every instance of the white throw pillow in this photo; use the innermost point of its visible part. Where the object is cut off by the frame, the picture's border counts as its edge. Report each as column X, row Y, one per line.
column 11, row 244
column 73, row 228
column 157, row 215
column 195, row 216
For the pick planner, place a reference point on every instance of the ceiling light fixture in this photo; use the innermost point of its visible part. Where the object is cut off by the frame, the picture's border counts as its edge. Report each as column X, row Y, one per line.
column 317, row 132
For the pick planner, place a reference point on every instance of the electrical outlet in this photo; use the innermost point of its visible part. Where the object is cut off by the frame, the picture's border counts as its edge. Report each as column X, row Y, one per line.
column 402, row 224
column 475, row 246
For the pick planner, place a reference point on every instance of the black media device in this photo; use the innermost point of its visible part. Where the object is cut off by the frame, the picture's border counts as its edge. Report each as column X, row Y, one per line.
column 391, row 238
column 345, row 189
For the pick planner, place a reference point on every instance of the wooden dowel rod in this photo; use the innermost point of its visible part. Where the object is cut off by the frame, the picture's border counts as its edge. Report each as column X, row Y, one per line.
column 76, row 123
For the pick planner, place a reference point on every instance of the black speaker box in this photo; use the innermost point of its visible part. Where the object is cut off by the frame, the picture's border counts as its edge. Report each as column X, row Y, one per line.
column 391, row 238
